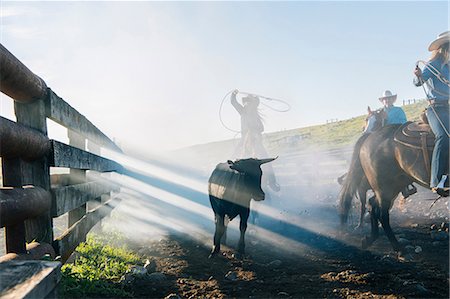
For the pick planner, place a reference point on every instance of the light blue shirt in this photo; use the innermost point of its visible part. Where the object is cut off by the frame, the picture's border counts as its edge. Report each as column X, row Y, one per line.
column 395, row 115
column 438, row 90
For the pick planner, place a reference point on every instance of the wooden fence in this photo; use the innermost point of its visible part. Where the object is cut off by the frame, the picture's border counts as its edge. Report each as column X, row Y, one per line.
column 30, row 197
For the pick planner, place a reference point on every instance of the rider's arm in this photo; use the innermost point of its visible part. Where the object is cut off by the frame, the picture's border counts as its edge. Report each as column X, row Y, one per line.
column 235, row 103
column 423, row 75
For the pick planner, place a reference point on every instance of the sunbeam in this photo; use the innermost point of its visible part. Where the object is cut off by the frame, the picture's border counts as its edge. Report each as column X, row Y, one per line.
column 160, row 200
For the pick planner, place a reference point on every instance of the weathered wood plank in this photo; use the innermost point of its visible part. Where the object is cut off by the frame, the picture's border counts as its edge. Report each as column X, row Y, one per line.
column 18, row 81
column 64, row 155
column 70, row 197
column 20, row 141
column 34, row 251
column 18, row 204
column 69, row 240
column 61, row 112
column 28, row 279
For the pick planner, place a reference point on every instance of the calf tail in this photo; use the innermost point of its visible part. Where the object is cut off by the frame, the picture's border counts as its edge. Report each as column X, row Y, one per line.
column 351, row 182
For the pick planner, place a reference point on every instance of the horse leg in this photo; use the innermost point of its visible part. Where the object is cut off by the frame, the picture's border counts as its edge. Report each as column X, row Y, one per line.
column 374, row 218
column 243, row 228
column 387, row 228
column 220, row 229
column 362, row 198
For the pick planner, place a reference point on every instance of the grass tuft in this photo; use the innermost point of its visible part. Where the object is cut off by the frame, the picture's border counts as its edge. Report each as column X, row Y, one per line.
column 98, row 268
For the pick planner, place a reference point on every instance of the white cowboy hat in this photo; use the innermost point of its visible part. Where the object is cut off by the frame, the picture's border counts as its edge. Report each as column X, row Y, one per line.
column 387, row 95
column 442, row 38
column 251, row 99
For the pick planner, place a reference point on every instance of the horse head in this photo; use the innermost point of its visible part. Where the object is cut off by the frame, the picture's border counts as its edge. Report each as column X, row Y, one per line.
column 375, row 119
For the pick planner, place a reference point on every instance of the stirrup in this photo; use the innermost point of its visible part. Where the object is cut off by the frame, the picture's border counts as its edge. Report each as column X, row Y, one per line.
column 408, row 192
column 441, row 191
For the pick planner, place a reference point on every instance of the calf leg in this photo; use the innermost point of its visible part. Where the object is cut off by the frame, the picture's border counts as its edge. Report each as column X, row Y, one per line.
column 243, row 228
column 220, row 229
column 224, row 236
column 255, row 215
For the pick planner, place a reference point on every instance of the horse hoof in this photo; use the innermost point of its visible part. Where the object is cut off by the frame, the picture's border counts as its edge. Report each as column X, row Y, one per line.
column 212, row 254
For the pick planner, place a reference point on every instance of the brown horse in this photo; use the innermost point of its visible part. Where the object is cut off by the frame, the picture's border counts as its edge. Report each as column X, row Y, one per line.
column 388, row 167
column 374, row 121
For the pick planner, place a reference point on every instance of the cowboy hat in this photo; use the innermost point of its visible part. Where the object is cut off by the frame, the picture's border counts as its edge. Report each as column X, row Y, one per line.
column 250, row 99
column 387, row 95
column 442, row 38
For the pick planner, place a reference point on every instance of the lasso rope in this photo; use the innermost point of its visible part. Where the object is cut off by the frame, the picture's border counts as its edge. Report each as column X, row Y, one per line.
column 441, row 78
column 288, row 107
column 435, row 72
column 220, row 114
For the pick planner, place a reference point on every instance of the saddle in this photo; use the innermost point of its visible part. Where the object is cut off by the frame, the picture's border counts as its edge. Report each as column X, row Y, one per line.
column 415, row 135
column 418, row 136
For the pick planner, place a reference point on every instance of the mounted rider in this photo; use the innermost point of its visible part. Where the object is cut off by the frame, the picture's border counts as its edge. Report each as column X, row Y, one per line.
column 395, row 114
column 389, row 114
column 435, row 76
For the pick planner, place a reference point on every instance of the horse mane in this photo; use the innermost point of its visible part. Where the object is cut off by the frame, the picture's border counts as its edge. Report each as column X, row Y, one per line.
column 352, row 180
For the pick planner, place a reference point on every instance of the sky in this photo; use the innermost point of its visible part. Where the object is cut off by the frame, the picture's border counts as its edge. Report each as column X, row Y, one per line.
column 153, row 75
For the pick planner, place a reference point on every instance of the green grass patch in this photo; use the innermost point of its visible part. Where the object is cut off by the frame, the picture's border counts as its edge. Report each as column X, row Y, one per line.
column 98, row 268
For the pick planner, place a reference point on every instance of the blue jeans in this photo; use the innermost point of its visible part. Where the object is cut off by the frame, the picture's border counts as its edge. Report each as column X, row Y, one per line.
column 440, row 160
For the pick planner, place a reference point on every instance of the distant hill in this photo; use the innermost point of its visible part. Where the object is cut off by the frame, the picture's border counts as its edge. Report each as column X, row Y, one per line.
column 335, row 135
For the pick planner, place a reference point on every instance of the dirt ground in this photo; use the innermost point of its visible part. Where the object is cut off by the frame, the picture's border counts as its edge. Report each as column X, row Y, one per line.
column 331, row 265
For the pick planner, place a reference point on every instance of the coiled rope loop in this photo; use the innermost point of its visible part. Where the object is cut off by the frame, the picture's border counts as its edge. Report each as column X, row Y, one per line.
column 441, row 78
column 288, row 107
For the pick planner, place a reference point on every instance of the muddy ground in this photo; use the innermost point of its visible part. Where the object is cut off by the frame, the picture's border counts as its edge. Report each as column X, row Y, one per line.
column 303, row 263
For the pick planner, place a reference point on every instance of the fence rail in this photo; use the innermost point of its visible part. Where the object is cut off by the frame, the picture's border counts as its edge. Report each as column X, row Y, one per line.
column 29, row 200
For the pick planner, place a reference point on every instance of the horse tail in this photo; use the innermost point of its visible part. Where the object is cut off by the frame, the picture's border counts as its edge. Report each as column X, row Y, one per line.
column 352, row 181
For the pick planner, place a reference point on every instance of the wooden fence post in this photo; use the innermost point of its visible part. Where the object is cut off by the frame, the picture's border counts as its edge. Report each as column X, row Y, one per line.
column 95, row 202
column 36, row 172
column 12, row 177
column 95, row 149
column 77, row 176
